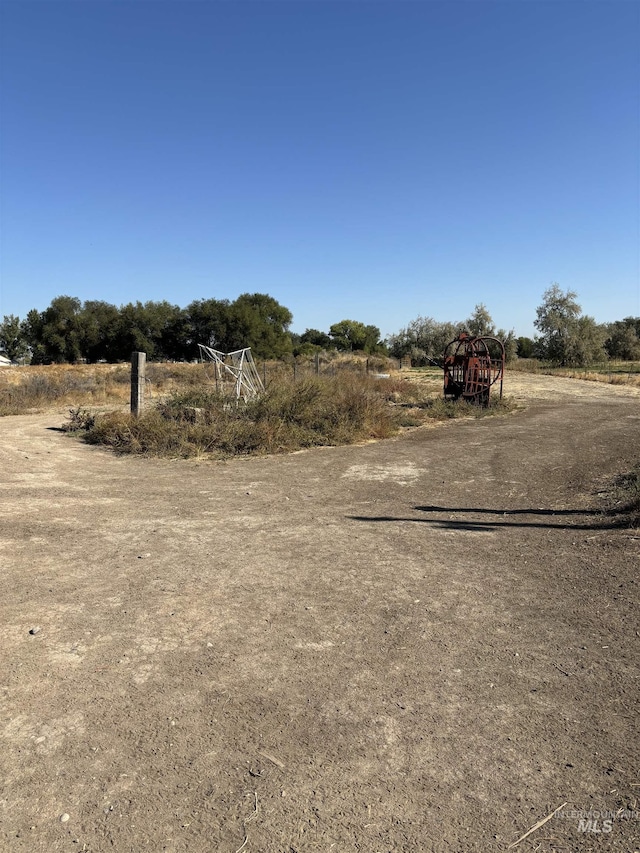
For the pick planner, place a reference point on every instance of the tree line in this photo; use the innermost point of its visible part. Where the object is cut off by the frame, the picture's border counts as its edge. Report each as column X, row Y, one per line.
column 71, row 331
column 425, row 339
column 567, row 338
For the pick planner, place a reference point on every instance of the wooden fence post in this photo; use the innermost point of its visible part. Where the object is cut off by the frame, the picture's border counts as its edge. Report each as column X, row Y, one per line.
column 138, row 368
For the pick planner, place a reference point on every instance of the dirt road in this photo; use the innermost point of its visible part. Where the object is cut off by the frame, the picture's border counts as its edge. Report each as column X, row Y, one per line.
column 424, row 644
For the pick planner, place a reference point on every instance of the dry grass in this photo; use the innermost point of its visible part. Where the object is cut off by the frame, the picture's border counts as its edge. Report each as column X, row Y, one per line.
column 24, row 389
column 36, row 388
column 187, row 414
column 612, row 373
column 28, row 389
column 610, row 378
column 291, row 415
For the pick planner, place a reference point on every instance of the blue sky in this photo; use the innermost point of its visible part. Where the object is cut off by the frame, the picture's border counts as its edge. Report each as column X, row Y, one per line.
column 374, row 161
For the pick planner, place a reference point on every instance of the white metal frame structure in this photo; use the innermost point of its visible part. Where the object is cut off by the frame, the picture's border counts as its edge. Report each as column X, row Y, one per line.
column 239, row 366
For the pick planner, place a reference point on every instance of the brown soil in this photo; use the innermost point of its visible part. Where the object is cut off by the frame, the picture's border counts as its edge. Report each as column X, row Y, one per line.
column 424, row 644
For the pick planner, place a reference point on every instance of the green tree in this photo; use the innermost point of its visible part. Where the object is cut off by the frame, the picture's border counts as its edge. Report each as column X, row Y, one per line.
column 13, row 340
column 586, row 344
column 310, row 342
column 208, row 324
column 172, row 330
column 480, row 322
column 158, row 329
column 567, row 337
column 556, row 320
column 133, row 333
column 373, row 343
column 99, row 323
column 55, row 334
column 33, row 334
column 510, row 343
column 258, row 321
column 316, row 338
column 622, row 341
column 423, row 339
column 351, row 335
column 525, row 347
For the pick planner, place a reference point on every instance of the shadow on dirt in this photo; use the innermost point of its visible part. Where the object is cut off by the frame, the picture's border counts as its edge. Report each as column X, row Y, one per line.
column 512, row 518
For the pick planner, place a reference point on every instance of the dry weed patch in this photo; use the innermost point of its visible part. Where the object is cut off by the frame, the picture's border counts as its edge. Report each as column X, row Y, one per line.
column 290, row 415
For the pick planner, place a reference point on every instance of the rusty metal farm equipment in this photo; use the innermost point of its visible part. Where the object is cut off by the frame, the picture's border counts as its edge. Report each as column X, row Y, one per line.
column 472, row 366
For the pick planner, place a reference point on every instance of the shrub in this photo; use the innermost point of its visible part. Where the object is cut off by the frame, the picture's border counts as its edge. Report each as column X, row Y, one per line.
column 328, row 410
column 79, row 419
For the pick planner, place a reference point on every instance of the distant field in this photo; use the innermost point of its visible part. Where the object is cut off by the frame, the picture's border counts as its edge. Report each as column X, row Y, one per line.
column 613, row 372
column 96, row 385
column 34, row 388
column 39, row 387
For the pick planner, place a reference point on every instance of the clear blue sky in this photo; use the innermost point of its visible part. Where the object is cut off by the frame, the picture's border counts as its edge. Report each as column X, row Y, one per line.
column 360, row 160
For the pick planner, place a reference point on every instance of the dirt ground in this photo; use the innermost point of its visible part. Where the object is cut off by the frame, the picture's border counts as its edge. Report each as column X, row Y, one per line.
column 422, row 644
